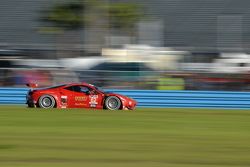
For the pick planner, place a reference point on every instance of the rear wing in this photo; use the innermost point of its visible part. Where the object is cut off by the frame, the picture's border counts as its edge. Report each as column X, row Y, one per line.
column 32, row 85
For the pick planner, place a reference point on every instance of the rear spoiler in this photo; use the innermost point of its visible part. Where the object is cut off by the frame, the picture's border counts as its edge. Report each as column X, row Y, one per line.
column 32, row 85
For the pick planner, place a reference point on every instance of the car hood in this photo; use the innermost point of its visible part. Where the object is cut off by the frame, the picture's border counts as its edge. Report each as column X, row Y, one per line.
column 119, row 95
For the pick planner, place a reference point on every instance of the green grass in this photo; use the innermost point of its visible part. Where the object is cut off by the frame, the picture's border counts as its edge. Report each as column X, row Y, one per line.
column 140, row 138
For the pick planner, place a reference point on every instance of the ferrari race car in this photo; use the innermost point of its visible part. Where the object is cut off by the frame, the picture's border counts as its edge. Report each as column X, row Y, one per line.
column 82, row 95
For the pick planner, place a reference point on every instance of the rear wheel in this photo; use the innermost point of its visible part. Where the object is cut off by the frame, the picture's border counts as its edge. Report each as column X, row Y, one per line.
column 112, row 103
column 47, row 101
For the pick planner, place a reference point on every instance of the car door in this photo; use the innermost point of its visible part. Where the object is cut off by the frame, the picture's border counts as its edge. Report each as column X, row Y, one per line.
column 76, row 97
column 81, row 96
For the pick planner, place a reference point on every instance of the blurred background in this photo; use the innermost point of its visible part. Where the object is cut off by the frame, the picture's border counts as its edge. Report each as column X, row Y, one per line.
column 125, row 44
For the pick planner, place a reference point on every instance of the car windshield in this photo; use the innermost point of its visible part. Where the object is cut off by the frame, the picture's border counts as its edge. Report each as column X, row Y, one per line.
column 97, row 88
column 100, row 89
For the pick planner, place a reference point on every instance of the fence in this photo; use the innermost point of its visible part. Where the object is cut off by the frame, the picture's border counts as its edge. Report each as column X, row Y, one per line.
column 159, row 99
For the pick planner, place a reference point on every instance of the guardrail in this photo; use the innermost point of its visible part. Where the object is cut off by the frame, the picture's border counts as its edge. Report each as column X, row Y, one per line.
column 189, row 99
column 13, row 95
column 159, row 99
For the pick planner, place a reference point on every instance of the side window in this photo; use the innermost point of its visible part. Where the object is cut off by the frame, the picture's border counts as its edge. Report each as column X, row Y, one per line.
column 70, row 88
column 82, row 89
column 77, row 88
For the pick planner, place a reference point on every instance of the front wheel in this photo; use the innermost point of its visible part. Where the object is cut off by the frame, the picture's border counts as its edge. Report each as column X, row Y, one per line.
column 112, row 103
column 47, row 101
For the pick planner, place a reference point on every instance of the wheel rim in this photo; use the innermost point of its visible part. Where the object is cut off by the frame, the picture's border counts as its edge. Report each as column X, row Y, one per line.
column 47, row 102
column 113, row 103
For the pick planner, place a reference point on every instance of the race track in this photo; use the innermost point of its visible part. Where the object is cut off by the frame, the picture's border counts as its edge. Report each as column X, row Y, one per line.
column 140, row 138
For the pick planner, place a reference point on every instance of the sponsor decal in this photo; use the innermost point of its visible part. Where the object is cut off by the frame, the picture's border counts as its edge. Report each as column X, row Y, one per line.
column 80, row 98
column 80, row 104
column 64, row 101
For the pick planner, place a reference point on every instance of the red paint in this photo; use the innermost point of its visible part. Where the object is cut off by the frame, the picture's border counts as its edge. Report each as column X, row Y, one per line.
column 67, row 98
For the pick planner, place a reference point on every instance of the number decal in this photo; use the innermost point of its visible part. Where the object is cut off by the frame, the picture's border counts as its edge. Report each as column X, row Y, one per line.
column 93, row 100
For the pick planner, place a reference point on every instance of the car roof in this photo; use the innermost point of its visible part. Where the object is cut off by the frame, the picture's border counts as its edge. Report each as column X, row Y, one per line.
column 79, row 83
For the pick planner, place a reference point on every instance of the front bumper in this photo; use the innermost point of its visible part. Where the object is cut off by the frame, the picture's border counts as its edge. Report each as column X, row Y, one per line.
column 130, row 106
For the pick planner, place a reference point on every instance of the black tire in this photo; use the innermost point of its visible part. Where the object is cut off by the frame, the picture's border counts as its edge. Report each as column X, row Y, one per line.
column 47, row 101
column 112, row 103
column 30, row 105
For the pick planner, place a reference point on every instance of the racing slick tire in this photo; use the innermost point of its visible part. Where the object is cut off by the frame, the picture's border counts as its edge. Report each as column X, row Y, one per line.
column 30, row 105
column 46, row 101
column 112, row 103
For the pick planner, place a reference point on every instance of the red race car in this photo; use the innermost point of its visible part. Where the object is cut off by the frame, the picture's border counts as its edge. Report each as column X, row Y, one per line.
column 77, row 95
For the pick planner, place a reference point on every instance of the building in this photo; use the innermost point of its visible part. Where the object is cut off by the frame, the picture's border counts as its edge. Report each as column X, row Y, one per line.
column 204, row 25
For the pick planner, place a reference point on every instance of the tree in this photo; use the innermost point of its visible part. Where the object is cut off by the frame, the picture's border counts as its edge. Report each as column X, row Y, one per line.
column 66, row 16
column 124, row 15
column 94, row 14
column 72, row 15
